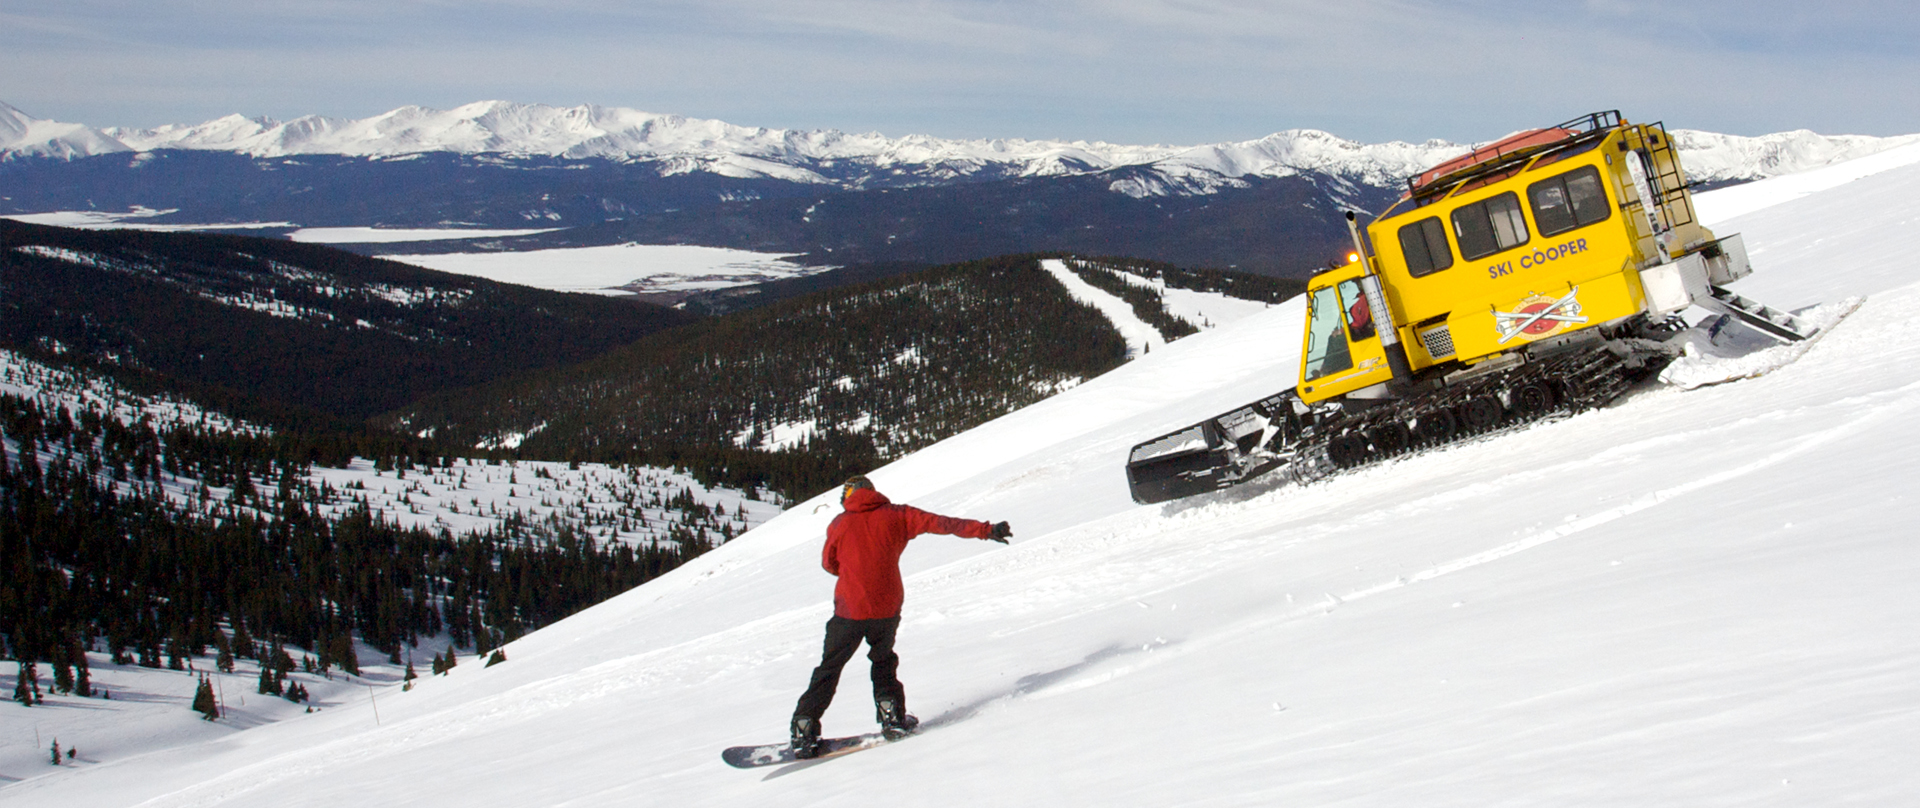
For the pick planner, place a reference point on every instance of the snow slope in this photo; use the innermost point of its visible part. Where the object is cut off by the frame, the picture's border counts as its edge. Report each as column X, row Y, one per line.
column 615, row 269
column 134, row 219
column 1141, row 338
column 1730, row 202
column 1203, row 309
column 389, row 235
column 618, row 268
column 1690, row 598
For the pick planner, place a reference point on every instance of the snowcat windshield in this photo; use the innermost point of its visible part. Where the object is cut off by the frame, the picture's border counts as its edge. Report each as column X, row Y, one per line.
column 1326, row 340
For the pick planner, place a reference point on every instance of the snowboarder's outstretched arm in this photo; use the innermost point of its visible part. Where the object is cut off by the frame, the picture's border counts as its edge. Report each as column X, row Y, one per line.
column 921, row 522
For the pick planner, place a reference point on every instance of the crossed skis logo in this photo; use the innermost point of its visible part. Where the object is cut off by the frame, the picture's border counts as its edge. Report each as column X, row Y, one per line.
column 1538, row 316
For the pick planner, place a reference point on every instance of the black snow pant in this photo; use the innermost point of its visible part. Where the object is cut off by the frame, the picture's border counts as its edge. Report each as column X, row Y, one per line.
column 843, row 639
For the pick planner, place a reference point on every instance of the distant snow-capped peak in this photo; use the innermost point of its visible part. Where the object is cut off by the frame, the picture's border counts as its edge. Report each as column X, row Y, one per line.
column 682, row 145
column 25, row 136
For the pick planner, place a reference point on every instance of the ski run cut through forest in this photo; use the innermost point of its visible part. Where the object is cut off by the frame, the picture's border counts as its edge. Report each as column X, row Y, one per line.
column 1692, row 597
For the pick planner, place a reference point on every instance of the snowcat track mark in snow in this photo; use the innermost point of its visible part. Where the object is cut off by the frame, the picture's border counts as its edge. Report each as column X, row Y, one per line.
column 1542, row 274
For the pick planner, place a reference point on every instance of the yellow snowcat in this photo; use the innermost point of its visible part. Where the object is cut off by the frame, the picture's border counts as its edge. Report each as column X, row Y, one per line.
column 1543, row 274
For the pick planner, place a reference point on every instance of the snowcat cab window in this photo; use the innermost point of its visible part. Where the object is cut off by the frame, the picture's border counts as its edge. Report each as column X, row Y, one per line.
column 1424, row 243
column 1568, row 201
column 1326, row 340
column 1487, row 227
column 1359, row 315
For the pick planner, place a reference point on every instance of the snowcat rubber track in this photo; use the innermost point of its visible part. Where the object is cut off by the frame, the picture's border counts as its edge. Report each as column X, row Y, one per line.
column 1269, row 436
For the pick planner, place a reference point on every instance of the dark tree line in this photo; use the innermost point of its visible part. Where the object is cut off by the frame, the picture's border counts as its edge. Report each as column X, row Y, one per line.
column 1243, row 285
column 93, row 551
column 867, row 373
column 282, row 332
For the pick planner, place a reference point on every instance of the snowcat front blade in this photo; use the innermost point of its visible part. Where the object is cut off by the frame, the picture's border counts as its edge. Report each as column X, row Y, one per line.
column 1216, row 453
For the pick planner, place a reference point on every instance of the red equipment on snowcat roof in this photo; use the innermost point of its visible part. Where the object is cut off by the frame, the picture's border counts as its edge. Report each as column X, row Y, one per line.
column 1499, row 148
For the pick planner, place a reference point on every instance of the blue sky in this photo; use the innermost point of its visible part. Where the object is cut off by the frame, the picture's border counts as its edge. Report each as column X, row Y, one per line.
column 1132, row 71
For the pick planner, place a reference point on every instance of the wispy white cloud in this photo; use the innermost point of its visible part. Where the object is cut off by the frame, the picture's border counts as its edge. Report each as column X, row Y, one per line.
column 1132, row 70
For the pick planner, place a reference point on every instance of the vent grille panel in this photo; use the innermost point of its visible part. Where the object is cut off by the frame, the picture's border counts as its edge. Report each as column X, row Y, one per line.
column 1438, row 342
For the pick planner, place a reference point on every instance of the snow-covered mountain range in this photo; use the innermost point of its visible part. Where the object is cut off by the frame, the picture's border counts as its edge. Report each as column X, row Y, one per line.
column 590, row 176
column 680, row 144
column 851, row 161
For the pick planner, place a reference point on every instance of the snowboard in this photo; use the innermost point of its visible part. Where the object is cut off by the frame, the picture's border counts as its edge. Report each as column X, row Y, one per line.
column 753, row 757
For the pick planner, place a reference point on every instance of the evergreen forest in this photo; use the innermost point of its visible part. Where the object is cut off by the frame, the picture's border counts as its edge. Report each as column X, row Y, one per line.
column 796, row 395
column 101, row 546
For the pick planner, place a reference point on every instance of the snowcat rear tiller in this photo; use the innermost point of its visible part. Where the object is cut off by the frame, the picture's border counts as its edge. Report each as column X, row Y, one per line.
column 1216, row 453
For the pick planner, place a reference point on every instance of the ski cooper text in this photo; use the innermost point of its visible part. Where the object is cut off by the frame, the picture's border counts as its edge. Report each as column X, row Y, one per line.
column 1538, row 257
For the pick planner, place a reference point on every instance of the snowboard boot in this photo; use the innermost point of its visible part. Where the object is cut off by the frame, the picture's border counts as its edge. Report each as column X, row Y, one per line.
column 894, row 721
column 805, row 737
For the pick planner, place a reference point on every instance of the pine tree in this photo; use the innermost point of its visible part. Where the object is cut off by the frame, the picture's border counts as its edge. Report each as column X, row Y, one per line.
column 242, row 639
column 278, row 658
column 82, row 677
column 340, row 649
column 26, row 687
column 56, row 751
column 204, row 702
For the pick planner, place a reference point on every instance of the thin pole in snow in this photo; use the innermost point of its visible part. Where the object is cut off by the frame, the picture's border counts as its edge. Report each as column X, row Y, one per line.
column 376, row 705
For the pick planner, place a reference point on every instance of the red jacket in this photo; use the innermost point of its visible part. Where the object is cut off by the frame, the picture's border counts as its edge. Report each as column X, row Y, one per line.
column 864, row 546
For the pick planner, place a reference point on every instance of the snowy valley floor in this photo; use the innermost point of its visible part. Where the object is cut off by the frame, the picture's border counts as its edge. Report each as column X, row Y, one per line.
column 1697, row 597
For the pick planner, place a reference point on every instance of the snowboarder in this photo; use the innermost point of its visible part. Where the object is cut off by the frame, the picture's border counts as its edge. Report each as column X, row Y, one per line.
column 863, row 550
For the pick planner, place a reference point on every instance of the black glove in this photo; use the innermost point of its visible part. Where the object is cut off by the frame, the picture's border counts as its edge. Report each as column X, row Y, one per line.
column 1000, row 533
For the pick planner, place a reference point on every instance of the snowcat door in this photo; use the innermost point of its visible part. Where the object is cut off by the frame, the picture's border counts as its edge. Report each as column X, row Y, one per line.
column 1343, row 351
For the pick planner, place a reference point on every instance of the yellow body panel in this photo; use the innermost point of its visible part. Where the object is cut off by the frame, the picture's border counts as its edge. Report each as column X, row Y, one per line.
column 1531, row 286
column 1542, row 313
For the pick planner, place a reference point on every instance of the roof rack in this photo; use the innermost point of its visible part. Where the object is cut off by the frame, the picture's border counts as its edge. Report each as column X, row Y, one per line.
column 1513, row 149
